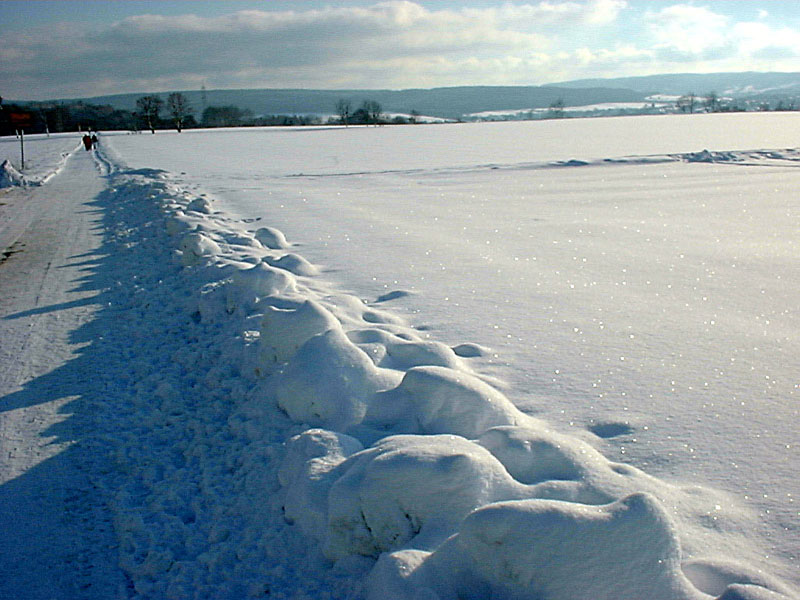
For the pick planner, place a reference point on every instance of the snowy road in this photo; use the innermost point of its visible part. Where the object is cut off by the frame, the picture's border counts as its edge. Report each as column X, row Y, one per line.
column 58, row 541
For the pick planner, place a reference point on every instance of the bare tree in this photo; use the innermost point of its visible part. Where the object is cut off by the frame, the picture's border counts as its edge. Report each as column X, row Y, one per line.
column 148, row 109
column 712, row 102
column 179, row 108
column 556, row 109
column 373, row 111
column 687, row 103
column 344, row 108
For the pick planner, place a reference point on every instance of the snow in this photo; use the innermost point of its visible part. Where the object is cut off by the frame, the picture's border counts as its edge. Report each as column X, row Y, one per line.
column 44, row 157
column 608, row 108
column 572, row 375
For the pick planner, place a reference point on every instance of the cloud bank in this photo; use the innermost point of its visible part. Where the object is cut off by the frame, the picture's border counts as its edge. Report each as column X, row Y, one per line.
column 398, row 44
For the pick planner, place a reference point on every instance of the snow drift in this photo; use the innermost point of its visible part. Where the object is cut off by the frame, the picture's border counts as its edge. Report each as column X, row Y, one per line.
column 394, row 458
column 45, row 157
column 9, row 176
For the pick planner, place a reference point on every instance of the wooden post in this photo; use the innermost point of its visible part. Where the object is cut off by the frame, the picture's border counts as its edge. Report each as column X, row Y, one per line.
column 21, row 120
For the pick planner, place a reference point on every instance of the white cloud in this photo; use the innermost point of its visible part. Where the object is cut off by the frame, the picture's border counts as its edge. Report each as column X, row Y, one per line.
column 603, row 12
column 689, row 35
column 387, row 44
column 684, row 28
column 754, row 38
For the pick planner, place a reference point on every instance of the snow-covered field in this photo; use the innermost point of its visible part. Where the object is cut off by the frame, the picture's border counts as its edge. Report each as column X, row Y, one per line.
column 606, row 109
column 518, row 360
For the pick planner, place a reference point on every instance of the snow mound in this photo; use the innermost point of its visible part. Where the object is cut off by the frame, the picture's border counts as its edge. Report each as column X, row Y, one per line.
column 196, row 247
column 294, row 263
column 435, row 399
column 329, row 381
column 178, row 223
column 404, row 355
column 470, row 350
column 9, row 176
column 609, row 552
column 284, row 331
column 201, row 205
column 624, row 550
column 271, row 238
column 306, row 475
column 404, row 485
column 249, row 285
column 707, row 156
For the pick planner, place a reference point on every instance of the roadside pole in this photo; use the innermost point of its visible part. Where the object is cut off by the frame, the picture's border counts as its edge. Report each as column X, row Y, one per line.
column 21, row 120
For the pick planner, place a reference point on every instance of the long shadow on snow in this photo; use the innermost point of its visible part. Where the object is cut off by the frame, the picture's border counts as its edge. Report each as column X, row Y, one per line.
column 57, row 515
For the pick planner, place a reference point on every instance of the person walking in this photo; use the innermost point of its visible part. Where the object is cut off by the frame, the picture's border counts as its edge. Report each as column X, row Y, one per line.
column 87, row 142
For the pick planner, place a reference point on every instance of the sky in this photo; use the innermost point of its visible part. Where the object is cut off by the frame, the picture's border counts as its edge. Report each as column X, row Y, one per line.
column 72, row 49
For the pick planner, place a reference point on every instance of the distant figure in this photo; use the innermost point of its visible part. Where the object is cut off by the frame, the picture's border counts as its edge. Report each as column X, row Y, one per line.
column 94, row 140
column 87, row 142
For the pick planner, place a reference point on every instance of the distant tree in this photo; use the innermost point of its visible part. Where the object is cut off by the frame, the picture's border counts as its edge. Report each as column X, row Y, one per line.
column 148, row 108
column 372, row 110
column 344, row 108
column 225, row 116
column 70, row 116
column 361, row 116
column 180, row 109
column 687, row 103
column 414, row 116
column 369, row 113
column 556, row 109
column 286, row 120
column 712, row 102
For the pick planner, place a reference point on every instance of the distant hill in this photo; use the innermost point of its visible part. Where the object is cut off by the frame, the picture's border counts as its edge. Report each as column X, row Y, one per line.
column 458, row 102
column 449, row 102
column 736, row 85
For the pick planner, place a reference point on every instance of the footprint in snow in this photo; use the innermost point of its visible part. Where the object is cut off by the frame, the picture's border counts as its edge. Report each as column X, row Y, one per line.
column 610, row 429
column 394, row 295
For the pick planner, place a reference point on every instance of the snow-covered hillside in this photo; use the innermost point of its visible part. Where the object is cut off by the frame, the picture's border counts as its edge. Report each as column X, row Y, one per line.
column 540, row 360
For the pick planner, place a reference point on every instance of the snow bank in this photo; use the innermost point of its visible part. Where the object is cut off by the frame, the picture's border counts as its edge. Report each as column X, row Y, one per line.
column 386, row 451
column 9, row 176
column 625, row 549
column 44, row 158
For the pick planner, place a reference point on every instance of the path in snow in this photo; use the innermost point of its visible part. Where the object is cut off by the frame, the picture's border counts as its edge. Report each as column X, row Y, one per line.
column 57, row 540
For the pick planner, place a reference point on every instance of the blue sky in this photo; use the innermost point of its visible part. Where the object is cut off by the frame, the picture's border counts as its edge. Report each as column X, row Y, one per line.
column 62, row 49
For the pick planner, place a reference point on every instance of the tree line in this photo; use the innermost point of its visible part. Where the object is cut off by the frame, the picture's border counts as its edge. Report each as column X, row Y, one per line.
column 712, row 102
column 58, row 117
column 176, row 112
